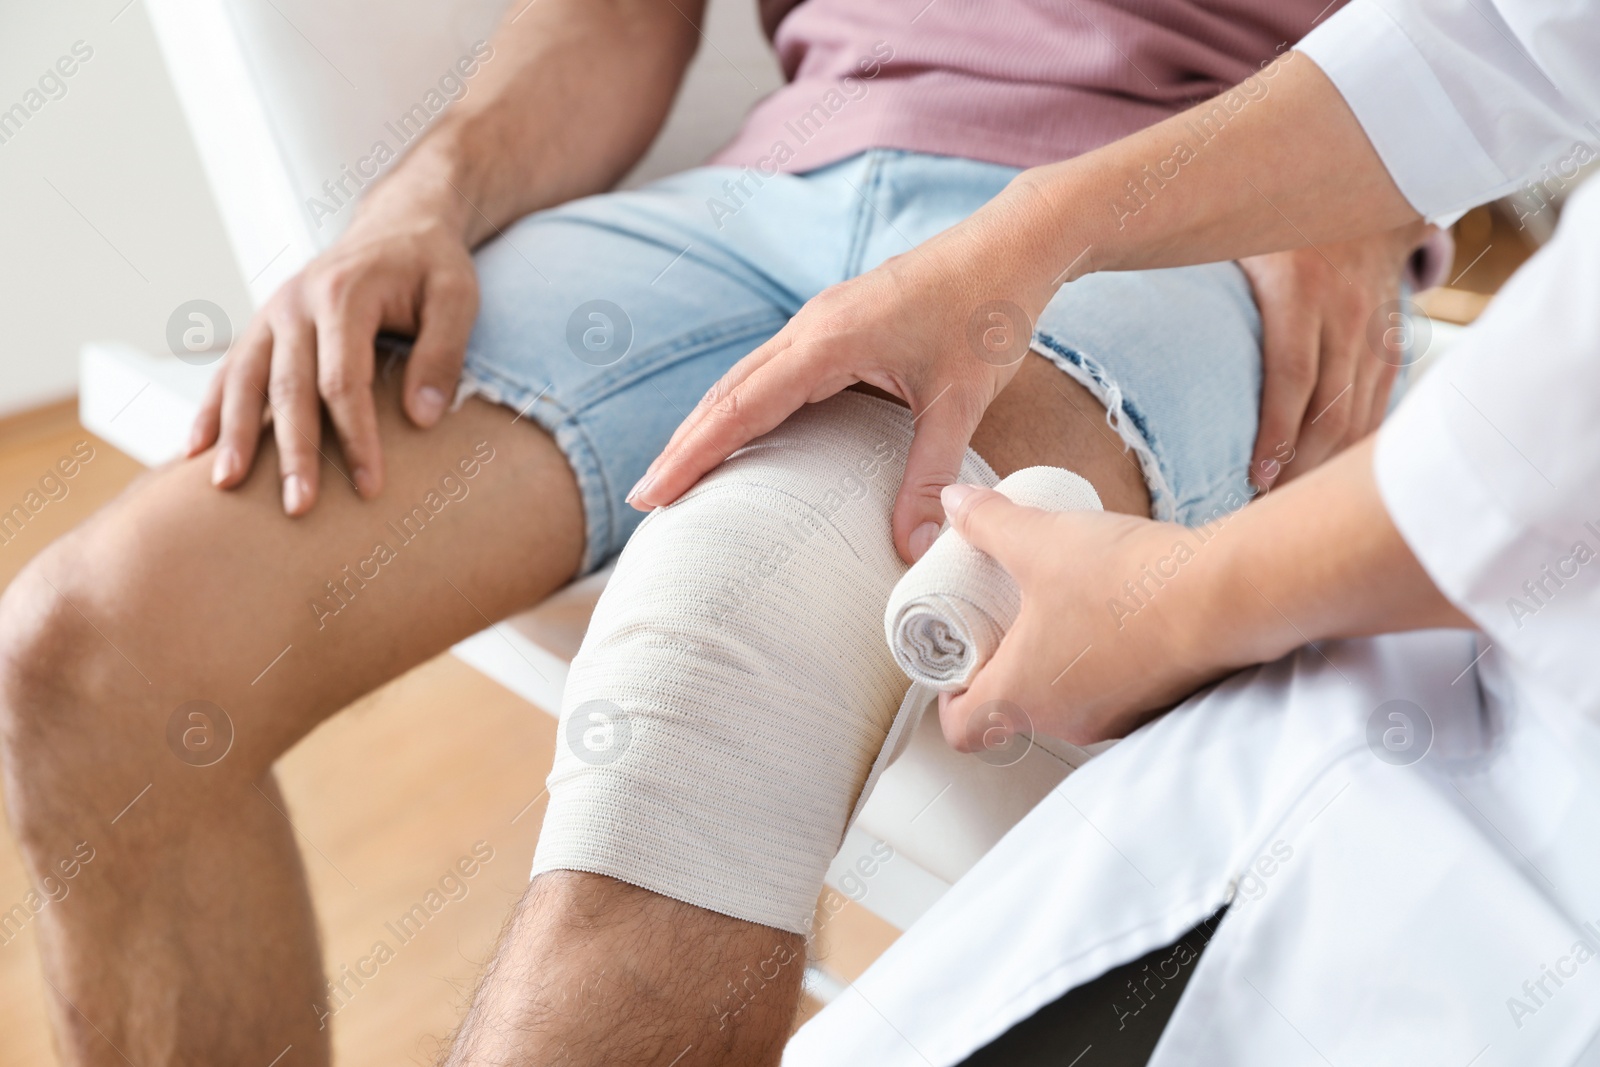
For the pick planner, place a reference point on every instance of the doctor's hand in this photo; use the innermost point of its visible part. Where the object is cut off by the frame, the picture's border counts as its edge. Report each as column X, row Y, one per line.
column 943, row 327
column 1123, row 616
column 1088, row 658
column 1326, row 376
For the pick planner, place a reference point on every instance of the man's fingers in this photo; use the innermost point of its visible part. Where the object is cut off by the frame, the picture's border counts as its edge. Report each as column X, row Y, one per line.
column 449, row 306
column 1288, row 376
column 1384, row 362
column 239, row 430
column 344, row 379
column 762, row 401
column 1381, row 395
column 208, row 420
column 943, row 428
column 1370, row 379
column 296, row 415
column 1332, row 409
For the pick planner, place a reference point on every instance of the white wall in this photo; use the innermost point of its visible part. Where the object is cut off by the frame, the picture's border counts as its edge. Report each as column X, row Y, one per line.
column 115, row 149
column 106, row 223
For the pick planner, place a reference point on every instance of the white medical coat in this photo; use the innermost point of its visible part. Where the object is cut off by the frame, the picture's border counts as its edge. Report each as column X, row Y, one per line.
column 1384, row 909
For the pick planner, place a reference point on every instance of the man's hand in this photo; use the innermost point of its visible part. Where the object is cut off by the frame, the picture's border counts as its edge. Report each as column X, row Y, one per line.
column 1122, row 616
column 566, row 100
column 1324, row 387
column 403, row 269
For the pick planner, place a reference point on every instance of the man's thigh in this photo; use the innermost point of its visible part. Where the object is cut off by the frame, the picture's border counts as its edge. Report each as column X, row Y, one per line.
column 604, row 322
column 1176, row 357
column 218, row 596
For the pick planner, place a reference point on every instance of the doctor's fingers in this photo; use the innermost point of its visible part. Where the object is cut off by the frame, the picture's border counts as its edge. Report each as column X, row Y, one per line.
column 735, row 375
column 1009, row 695
column 777, row 389
column 943, row 428
column 1014, row 535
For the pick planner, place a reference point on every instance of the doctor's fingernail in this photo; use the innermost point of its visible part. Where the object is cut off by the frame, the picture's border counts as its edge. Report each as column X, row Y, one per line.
column 366, row 481
column 953, row 496
column 640, row 488
column 429, row 405
column 922, row 539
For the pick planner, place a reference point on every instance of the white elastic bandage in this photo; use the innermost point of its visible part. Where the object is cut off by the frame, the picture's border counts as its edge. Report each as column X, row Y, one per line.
column 734, row 689
column 946, row 616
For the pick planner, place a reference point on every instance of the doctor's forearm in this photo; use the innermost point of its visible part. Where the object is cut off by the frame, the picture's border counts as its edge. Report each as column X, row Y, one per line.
column 1290, row 166
column 1319, row 558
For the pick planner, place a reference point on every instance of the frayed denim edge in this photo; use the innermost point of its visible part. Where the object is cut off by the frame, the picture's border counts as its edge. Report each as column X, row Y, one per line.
column 575, row 449
column 1128, row 424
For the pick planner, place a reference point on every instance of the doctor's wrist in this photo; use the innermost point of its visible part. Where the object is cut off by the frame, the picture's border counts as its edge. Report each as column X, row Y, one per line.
column 1319, row 559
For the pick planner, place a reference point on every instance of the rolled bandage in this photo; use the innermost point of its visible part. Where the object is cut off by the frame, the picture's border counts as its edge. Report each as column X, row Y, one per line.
column 733, row 691
column 946, row 616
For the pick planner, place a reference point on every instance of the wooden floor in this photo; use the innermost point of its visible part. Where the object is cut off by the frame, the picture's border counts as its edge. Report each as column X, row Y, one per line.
column 386, row 797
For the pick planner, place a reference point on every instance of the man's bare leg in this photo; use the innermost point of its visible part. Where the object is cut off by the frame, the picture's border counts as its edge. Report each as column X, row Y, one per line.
column 189, row 938
column 594, row 971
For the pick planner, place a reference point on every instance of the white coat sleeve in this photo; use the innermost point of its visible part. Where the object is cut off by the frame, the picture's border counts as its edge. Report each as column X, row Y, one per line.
column 1490, row 468
column 1468, row 100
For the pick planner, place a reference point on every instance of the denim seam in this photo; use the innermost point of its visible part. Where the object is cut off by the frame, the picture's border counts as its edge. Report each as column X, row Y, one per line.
column 862, row 224
column 684, row 346
column 562, row 420
column 1122, row 415
column 771, row 291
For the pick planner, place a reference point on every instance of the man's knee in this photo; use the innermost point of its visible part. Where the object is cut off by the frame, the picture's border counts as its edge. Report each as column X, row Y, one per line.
column 58, row 683
column 735, row 690
column 46, row 652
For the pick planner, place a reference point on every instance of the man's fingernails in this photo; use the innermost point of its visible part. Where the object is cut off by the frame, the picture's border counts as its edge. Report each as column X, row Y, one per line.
column 225, row 466
column 953, row 496
column 641, row 488
column 296, row 494
column 428, row 405
column 366, row 481
column 922, row 539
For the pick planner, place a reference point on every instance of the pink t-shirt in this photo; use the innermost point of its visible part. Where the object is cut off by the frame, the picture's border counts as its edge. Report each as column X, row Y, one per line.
column 1019, row 82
